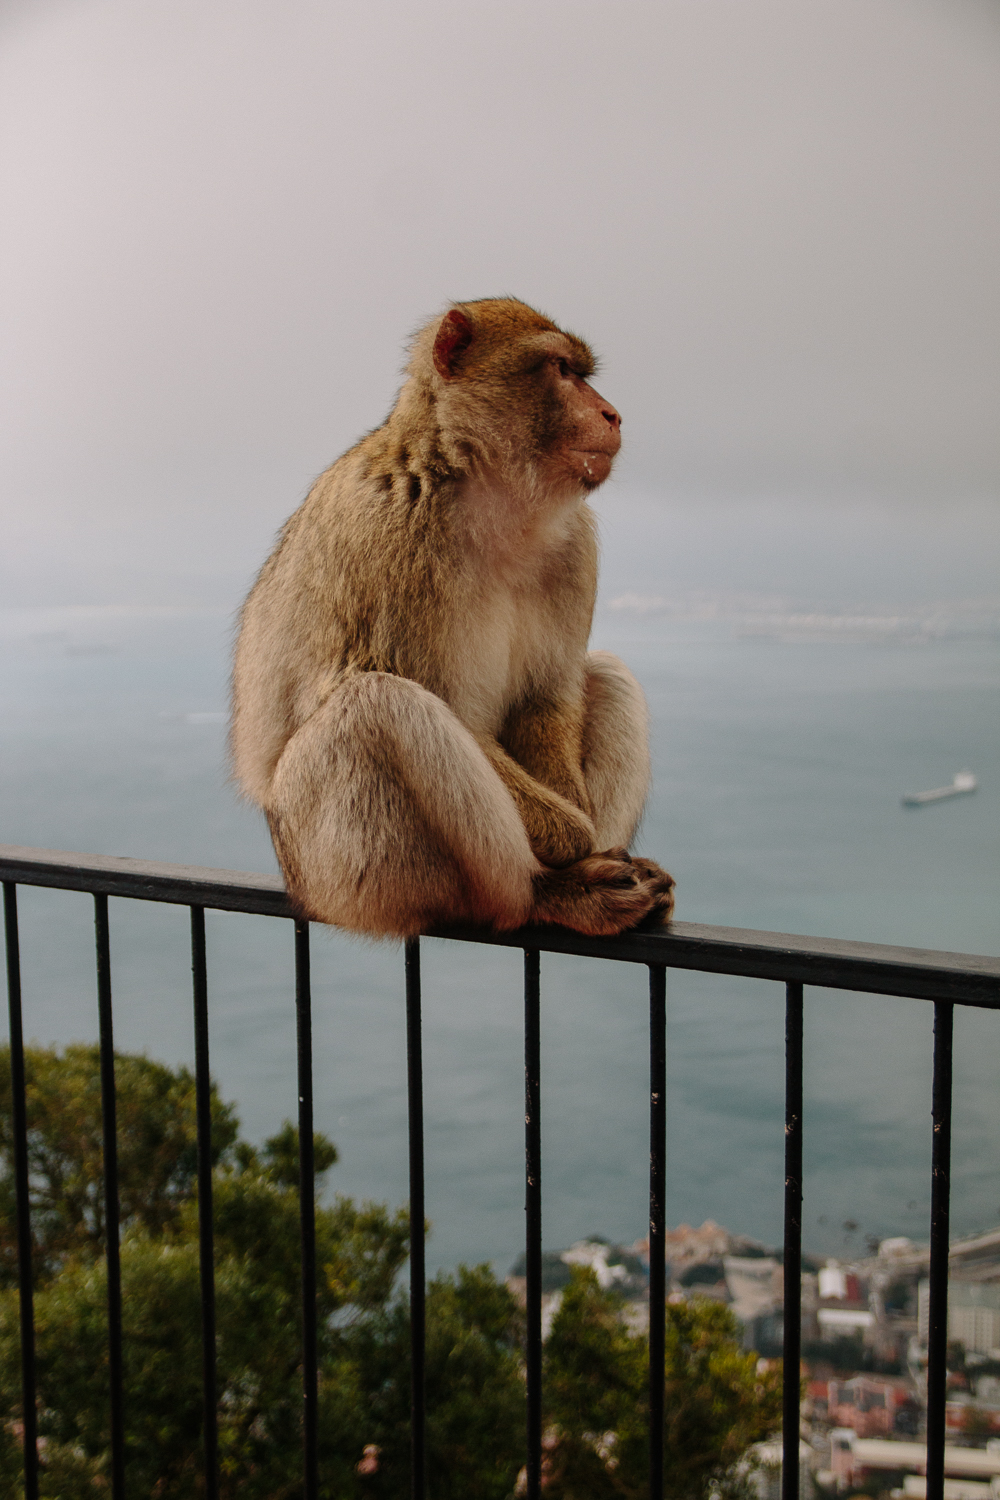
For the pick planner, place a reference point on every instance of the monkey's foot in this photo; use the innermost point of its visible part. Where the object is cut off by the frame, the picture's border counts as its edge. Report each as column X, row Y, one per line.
column 603, row 894
column 664, row 885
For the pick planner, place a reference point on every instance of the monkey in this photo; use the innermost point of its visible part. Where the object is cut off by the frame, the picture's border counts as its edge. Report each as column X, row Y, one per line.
column 414, row 706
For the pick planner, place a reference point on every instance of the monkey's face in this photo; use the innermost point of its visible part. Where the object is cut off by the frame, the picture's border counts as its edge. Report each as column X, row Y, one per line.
column 585, row 429
column 519, row 386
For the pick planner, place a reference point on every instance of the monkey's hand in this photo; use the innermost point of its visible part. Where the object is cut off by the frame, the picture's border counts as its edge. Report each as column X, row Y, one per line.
column 560, row 833
column 604, row 894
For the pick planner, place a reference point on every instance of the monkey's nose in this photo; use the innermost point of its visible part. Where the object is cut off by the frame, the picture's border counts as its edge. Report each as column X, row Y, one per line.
column 612, row 418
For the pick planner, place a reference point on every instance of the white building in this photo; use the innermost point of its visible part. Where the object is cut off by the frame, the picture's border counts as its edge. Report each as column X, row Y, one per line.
column 973, row 1315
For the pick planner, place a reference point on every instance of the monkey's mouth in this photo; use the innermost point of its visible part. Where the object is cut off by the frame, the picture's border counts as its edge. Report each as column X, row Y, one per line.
column 593, row 464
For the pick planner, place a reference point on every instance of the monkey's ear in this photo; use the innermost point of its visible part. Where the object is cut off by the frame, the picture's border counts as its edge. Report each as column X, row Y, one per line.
column 453, row 337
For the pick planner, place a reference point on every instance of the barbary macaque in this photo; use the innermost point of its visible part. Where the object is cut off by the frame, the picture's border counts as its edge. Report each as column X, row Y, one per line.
column 414, row 705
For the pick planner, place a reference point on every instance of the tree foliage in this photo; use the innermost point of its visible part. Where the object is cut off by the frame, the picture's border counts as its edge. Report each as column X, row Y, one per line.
column 595, row 1369
column 475, row 1390
column 473, row 1352
column 157, row 1151
column 716, row 1401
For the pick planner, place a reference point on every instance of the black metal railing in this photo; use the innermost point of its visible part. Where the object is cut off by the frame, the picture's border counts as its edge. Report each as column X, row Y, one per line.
column 945, row 979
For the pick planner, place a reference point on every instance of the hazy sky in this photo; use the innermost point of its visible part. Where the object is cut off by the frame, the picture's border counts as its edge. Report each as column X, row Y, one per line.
column 778, row 221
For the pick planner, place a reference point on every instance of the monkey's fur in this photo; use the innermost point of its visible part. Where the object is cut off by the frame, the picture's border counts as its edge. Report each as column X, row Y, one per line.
column 414, row 706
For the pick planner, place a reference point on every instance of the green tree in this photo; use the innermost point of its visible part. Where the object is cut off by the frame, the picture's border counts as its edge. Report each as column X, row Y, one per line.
column 716, row 1402
column 157, row 1151
column 475, row 1390
column 360, row 1250
column 259, row 1371
column 595, row 1369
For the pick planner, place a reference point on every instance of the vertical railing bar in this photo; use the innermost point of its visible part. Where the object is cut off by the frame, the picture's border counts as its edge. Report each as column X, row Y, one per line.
column 19, row 1114
column 792, row 1260
column 307, row 1213
column 657, row 1218
column 533, row 1219
column 111, row 1204
column 418, row 1328
column 937, row 1337
column 206, row 1247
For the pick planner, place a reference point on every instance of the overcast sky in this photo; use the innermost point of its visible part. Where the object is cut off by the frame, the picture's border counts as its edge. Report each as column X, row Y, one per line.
column 777, row 220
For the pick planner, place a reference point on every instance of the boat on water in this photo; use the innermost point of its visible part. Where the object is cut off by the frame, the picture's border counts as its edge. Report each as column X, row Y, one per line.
column 963, row 783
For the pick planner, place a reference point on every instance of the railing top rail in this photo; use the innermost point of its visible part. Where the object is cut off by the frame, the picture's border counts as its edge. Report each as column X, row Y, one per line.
column 919, row 973
column 146, row 880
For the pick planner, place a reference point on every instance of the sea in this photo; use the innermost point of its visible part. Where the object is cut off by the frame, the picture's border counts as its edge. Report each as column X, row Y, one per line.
column 784, row 736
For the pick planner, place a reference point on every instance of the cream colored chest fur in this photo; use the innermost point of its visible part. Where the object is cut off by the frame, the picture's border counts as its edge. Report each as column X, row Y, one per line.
column 503, row 641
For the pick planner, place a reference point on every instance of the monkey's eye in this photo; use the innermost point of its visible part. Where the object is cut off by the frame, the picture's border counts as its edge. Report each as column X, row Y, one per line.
column 564, row 369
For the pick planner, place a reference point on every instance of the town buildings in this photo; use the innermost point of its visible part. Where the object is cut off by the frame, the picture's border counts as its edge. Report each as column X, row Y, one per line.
column 864, row 1338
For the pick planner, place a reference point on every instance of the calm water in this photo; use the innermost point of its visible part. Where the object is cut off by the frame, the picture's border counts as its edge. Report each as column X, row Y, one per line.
column 780, row 761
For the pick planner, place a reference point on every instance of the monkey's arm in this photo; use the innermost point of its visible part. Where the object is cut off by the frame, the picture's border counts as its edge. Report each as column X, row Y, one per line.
column 538, row 759
column 559, row 833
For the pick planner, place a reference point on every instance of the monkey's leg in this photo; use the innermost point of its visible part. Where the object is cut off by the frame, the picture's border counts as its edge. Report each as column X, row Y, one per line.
column 600, row 894
column 593, row 754
column 615, row 749
column 616, row 764
column 538, row 760
column 388, row 818
column 543, row 761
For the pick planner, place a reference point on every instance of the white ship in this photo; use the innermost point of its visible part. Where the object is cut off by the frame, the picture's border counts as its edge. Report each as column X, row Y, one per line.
column 963, row 783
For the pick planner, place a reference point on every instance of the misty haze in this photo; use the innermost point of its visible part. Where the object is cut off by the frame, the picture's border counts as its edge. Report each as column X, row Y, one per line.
column 780, row 228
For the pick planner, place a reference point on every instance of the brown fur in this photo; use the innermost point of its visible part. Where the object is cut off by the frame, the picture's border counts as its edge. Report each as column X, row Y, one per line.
column 414, row 707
